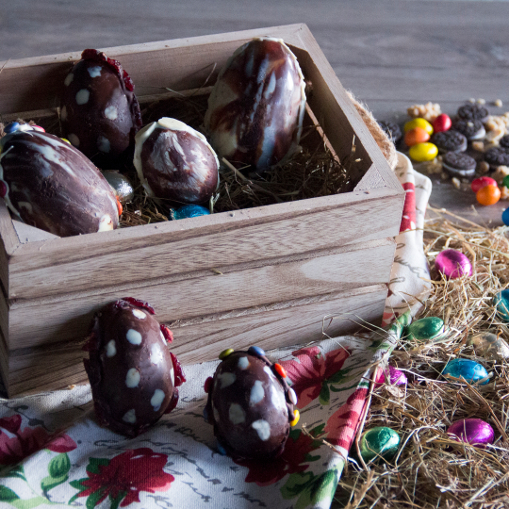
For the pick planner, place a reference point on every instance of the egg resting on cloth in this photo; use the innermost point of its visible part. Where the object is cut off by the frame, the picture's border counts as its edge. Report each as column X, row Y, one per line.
column 250, row 406
column 100, row 113
column 256, row 108
column 49, row 184
column 133, row 375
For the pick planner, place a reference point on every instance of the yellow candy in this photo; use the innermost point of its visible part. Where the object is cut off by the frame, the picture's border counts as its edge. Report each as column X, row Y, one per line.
column 296, row 417
column 418, row 122
column 66, row 140
column 423, row 152
column 226, row 353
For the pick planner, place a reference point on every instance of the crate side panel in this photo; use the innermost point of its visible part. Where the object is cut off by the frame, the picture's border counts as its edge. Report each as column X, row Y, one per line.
column 44, row 270
column 207, row 293
column 297, row 322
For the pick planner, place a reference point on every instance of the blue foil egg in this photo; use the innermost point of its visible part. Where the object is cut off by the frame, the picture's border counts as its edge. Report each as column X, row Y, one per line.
column 502, row 304
column 187, row 211
column 505, row 216
column 467, row 370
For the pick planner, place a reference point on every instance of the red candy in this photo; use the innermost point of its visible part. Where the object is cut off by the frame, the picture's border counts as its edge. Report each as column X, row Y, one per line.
column 482, row 182
column 280, row 370
column 208, row 384
column 442, row 123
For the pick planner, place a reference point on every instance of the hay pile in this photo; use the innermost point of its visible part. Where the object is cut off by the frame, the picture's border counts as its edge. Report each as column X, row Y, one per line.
column 430, row 470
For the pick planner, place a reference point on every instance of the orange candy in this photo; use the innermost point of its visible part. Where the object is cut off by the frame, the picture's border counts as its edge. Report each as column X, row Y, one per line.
column 488, row 195
column 280, row 370
column 416, row 135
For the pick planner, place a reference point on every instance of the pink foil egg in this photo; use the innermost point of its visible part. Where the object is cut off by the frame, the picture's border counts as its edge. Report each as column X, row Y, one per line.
column 396, row 377
column 453, row 264
column 473, row 431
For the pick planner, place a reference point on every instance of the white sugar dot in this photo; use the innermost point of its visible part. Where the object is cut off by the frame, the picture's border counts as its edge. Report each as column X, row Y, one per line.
column 134, row 337
column 105, row 223
column 226, row 379
column 74, row 140
column 236, row 414
column 277, row 397
column 95, row 71
column 68, row 79
column 157, row 399
column 132, row 378
column 292, row 396
column 139, row 314
column 103, row 144
column 111, row 112
column 130, row 416
column 111, row 349
column 243, row 363
column 262, row 428
column 82, row 96
column 156, row 353
column 257, row 393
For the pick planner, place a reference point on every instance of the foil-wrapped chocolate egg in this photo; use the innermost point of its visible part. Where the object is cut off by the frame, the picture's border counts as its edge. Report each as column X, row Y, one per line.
column 473, row 431
column 466, row 370
column 49, row 184
column 256, row 108
column 250, row 405
column 175, row 162
column 121, row 185
column 100, row 113
column 133, row 375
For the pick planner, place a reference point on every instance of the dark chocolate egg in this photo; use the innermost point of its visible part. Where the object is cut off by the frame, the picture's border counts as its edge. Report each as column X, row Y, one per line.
column 132, row 373
column 250, row 405
column 256, row 108
column 49, row 184
column 100, row 113
column 175, row 162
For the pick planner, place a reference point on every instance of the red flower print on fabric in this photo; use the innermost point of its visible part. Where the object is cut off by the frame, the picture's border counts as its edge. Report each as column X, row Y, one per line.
column 293, row 459
column 340, row 427
column 28, row 441
column 313, row 369
column 123, row 477
column 408, row 219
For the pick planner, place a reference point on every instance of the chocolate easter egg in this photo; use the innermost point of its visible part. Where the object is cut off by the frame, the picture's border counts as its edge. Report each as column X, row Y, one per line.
column 489, row 345
column 466, row 370
column 256, row 108
column 473, row 431
column 379, row 442
column 250, row 405
column 49, row 184
column 100, row 113
column 428, row 328
column 133, row 375
column 501, row 302
column 120, row 184
column 453, row 264
column 175, row 162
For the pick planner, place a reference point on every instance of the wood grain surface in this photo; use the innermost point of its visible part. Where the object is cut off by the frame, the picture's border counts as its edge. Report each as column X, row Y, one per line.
column 390, row 54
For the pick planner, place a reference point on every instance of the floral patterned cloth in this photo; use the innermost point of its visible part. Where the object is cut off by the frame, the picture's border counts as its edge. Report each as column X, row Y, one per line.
column 53, row 453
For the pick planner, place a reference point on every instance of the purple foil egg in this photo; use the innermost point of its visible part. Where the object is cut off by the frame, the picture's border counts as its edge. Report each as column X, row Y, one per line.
column 473, row 431
column 396, row 377
column 453, row 264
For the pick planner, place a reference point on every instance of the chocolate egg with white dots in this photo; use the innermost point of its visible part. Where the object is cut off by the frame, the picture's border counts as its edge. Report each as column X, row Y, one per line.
column 133, row 375
column 100, row 113
column 250, row 405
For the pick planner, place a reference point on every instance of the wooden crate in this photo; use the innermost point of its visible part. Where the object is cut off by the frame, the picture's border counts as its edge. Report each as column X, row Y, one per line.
column 264, row 276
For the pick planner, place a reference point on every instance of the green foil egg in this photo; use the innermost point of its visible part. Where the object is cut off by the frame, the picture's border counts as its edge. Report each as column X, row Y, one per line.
column 379, row 441
column 427, row 328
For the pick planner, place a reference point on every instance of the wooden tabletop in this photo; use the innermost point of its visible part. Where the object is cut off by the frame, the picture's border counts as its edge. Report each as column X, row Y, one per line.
column 390, row 53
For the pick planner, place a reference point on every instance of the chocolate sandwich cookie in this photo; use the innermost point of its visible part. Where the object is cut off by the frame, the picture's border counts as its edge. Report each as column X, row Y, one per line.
column 392, row 130
column 497, row 156
column 473, row 112
column 472, row 129
column 458, row 164
column 504, row 141
column 450, row 141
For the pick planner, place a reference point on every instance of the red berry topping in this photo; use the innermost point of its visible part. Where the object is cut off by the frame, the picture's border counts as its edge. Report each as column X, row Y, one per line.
column 3, row 188
column 208, row 384
column 168, row 335
column 179, row 373
column 442, row 123
column 482, row 182
column 280, row 370
column 141, row 304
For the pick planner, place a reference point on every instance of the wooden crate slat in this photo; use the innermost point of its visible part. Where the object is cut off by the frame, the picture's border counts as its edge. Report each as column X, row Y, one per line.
column 239, row 287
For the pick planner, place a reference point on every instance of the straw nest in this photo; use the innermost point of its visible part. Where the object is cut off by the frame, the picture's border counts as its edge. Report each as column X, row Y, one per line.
column 430, row 469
